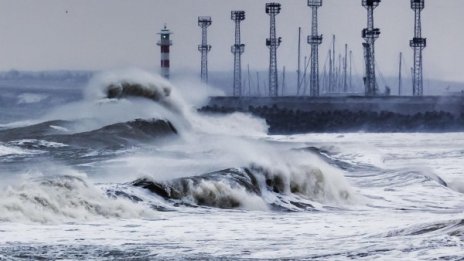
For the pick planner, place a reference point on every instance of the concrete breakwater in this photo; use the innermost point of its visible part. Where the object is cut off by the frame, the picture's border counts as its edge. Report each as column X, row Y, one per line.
column 289, row 115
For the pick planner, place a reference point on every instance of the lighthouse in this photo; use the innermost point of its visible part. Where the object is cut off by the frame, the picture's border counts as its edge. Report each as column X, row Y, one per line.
column 165, row 43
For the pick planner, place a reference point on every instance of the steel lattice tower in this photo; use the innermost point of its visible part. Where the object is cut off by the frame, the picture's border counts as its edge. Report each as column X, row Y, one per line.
column 273, row 43
column 314, row 40
column 370, row 34
column 204, row 22
column 418, row 44
column 238, row 49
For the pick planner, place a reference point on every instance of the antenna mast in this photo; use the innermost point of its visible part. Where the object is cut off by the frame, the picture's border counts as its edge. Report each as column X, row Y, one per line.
column 345, row 70
column 299, row 63
column 333, row 80
column 351, row 67
column 284, row 84
column 400, row 80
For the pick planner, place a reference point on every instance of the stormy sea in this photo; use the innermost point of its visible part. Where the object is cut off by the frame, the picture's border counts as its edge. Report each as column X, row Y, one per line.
column 125, row 168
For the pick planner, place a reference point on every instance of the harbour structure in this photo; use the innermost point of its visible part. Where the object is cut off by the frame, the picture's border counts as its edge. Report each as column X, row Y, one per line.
column 204, row 22
column 371, row 108
column 418, row 43
column 315, row 39
column 237, row 49
column 273, row 42
column 165, row 44
column 340, row 104
column 370, row 35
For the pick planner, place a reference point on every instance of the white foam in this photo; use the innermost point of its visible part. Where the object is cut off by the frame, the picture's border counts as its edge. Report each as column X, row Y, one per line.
column 39, row 143
column 61, row 199
column 59, row 128
column 12, row 150
column 28, row 98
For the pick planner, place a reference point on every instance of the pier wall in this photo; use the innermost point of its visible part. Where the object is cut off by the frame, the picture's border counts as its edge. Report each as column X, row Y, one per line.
column 291, row 115
column 400, row 105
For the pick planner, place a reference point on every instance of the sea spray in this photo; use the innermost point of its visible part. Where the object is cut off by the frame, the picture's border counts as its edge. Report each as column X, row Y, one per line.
column 297, row 181
column 56, row 199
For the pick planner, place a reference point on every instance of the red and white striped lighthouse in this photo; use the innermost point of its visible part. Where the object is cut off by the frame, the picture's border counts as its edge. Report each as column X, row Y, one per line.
column 165, row 44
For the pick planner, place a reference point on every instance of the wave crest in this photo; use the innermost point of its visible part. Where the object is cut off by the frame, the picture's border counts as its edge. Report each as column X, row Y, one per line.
column 255, row 188
column 125, row 89
column 63, row 198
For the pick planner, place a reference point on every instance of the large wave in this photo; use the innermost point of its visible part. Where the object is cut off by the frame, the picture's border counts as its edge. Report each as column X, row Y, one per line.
column 255, row 188
column 59, row 194
column 123, row 109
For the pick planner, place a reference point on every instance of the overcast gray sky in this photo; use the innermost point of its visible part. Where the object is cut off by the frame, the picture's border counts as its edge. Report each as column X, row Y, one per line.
column 107, row 34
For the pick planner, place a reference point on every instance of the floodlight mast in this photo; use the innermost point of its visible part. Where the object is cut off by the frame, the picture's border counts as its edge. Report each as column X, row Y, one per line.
column 370, row 34
column 237, row 49
column 418, row 44
column 314, row 40
column 204, row 22
column 273, row 9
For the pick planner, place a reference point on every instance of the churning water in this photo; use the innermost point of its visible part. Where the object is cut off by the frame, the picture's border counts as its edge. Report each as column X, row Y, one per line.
column 133, row 172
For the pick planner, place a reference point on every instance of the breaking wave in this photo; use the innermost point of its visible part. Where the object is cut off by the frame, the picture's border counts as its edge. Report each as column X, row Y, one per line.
column 68, row 197
column 254, row 188
column 63, row 198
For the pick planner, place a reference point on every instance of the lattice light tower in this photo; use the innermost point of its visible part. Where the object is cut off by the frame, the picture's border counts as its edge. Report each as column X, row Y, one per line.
column 273, row 9
column 418, row 44
column 204, row 22
column 370, row 34
column 238, row 49
column 314, row 40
